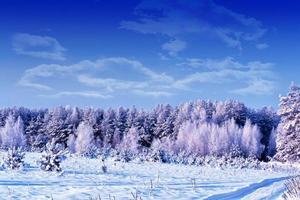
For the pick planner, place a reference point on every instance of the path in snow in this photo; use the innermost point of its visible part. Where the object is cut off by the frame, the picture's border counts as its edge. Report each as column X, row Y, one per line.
column 243, row 192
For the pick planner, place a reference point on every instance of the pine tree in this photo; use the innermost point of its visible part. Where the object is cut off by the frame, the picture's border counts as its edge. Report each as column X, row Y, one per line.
column 14, row 158
column 108, row 127
column 288, row 139
column 52, row 157
column 56, row 127
column 35, row 133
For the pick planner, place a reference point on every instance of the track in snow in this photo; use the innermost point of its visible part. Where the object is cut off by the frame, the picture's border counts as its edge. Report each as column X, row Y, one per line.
column 243, row 192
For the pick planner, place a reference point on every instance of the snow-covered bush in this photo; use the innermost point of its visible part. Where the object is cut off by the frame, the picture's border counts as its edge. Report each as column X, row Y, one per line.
column 158, row 152
column 52, row 157
column 288, row 139
column 14, row 158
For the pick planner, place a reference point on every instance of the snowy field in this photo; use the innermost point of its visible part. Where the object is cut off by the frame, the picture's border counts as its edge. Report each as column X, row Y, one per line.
column 83, row 179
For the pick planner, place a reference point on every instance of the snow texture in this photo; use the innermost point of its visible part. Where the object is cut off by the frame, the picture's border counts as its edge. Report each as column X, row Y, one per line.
column 83, row 178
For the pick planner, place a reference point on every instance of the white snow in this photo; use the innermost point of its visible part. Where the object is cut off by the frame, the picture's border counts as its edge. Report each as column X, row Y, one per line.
column 83, row 179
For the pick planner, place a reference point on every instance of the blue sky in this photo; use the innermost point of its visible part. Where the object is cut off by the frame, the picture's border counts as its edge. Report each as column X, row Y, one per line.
column 106, row 53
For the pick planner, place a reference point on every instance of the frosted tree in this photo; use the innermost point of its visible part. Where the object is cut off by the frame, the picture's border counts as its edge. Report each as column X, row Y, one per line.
column 251, row 137
column 13, row 139
column 12, row 134
column 192, row 139
column 84, row 140
column 129, row 146
column 272, row 143
column 183, row 114
column 71, row 143
column 288, row 138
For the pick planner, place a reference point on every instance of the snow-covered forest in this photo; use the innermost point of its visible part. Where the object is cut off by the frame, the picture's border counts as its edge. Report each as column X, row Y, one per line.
column 193, row 129
column 197, row 128
column 86, row 146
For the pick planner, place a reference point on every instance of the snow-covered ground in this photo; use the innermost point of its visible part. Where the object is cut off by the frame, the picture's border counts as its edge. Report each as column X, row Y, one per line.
column 83, row 179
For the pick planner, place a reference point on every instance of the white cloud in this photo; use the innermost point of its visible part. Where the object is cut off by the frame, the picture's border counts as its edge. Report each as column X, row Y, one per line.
column 257, row 87
column 42, row 71
column 84, row 73
column 111, row 84
column 179, row 18
column 262, row 46
column 152, row 93
column 226, row 63
column 38, row 46
column 117, row 75
column 87, row 94
column 228, row 70
column 174, row 46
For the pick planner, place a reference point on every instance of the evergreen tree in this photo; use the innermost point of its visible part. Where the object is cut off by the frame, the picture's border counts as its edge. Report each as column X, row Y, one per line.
column 288, row 139
column 109, row 126
column 52, row 157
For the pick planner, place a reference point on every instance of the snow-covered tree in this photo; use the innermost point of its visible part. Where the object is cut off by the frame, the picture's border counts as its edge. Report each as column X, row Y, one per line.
column 72, row 143
column 272, row 143
column 165, row 122
column 35, row 133
column 109, row 126
column 12, row 134
column 288, row 139
column 84, row 140
column 56, row 126
column 251, row 140
column 52, row 157
column 14, row 158
column 129, row 146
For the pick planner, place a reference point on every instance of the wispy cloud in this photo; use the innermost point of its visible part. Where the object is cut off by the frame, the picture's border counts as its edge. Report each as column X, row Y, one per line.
column 38, row 46
column 108, row 77
column 255, row 74
column 87, row 94
column 152, row 93
column 257, row 87
column 30, row 76
column 84, row 73
column 179, row 18
column 111, row 84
